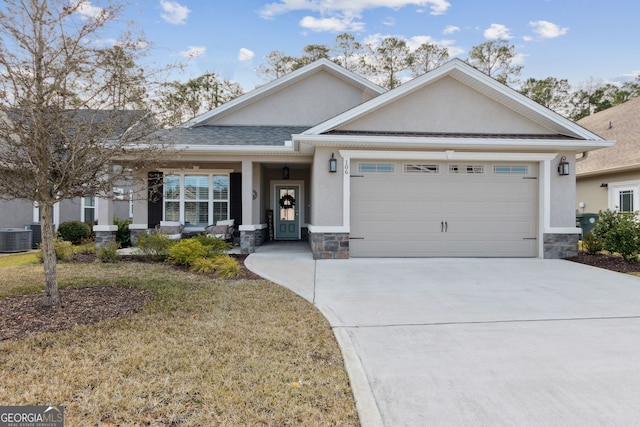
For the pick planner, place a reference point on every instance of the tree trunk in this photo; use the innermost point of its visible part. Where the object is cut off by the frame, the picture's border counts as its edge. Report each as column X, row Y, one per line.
column 51, row 296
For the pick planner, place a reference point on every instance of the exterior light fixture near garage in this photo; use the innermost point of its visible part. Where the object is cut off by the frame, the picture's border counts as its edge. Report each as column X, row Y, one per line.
column 563, row 167
column 333, row 164
column 285, row 172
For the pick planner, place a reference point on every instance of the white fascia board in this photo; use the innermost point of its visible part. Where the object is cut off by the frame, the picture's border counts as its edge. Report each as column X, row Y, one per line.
column 446, row 156
column 352, row 141
column 240, row 149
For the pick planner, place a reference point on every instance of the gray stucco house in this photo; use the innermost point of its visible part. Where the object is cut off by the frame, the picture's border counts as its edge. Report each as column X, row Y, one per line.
column 450, row 164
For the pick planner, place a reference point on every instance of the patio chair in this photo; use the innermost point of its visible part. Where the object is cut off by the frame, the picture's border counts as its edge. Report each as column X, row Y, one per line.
column 173, row 229
column 221, row 230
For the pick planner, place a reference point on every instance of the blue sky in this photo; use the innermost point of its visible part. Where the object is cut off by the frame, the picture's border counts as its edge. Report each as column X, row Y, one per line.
column 573, row 39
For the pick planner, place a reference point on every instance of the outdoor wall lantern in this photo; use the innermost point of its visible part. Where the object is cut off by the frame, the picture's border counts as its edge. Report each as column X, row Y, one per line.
column 333, row 164
column 285, row 172
column 563, row 166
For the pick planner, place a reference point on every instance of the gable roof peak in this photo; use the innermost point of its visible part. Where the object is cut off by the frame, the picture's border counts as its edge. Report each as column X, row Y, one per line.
column 273, row 86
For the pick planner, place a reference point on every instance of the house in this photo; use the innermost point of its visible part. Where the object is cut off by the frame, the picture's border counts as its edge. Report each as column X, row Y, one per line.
column 610, row 178
column 450, row 164
column 18, row 213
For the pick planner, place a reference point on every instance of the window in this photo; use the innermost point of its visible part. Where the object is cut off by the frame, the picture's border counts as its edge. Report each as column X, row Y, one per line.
column 417, row 168
column 196, row 200
column 376, row 167
column 510, row 169
column 88, row 209
column 471, row 169
column 623, row 196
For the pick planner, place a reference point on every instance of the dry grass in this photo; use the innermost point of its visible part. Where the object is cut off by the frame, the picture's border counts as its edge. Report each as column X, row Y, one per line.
column 203, row 353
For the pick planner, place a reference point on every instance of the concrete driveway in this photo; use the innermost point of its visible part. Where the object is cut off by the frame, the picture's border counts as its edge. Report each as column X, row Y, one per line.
column 476, row 342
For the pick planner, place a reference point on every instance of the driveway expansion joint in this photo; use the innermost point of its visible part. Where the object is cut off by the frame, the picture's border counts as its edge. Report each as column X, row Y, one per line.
column 485, row 322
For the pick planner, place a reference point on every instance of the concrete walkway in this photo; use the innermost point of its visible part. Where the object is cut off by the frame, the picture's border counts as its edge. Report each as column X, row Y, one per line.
column 475, row 342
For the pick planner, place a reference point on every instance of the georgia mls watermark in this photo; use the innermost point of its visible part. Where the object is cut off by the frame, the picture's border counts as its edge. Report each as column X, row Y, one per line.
column 31, row 416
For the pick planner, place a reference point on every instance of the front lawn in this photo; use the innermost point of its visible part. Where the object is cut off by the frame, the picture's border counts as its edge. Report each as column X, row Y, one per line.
column 203, row 352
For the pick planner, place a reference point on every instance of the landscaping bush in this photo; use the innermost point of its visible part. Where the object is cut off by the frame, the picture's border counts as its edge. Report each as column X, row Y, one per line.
column 123, row 236
column 619, row 232
column 226, row 267
column 108, row 252
column 186, row 251
column 74, row 231
column 202, row 266
column 591, row 244
column 63, row 249
column 214, row 245
column 155, row 246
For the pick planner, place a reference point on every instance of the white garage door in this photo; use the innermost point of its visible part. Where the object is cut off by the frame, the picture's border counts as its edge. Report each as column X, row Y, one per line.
column 453, row 209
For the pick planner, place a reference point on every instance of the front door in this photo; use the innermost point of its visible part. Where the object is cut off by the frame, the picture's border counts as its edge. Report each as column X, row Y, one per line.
column 287, row 218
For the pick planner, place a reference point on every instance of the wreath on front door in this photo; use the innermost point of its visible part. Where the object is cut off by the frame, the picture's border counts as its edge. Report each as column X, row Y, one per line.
column 287, row 201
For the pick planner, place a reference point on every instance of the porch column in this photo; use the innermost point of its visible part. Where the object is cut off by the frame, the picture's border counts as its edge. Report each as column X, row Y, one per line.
column 248, row 240
column 105, row 230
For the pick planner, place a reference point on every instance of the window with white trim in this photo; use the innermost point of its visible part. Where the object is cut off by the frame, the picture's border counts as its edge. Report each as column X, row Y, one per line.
column 88, row 211
column 196, row 199
column 469, row 169
column 623, row 197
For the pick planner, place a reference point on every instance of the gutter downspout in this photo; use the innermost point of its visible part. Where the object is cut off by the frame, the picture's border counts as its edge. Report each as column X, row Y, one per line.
column 584, row 156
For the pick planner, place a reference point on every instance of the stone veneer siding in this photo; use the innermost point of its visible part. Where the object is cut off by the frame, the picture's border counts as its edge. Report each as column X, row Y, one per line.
column 329, row 245
column 250, row 240
column 103, row 237
column 557, row 246
column 133, row 235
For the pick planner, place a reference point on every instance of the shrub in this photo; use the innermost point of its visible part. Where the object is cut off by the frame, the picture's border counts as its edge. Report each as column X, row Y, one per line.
column 213, row 245
column 202, row 266
column 108, row 252
column 154, row 245
column 186, row 251
column 63, row 249
column 619, row 233
column 591, row 244
column 74, row 231
column 226, row 267
column 123, row 236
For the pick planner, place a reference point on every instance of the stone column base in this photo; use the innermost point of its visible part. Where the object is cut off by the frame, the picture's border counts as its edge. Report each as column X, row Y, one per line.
column 558, row 246
column 104, row 234
column 329, row 245
column 136, row 230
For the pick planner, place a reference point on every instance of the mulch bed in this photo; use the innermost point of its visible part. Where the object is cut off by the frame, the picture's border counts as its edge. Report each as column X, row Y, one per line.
column 608, row 262
column 25, row 315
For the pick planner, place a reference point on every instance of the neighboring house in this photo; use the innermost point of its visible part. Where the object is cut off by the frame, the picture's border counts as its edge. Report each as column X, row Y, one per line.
column 21, row 213
column 450, row 164
column 610, row 178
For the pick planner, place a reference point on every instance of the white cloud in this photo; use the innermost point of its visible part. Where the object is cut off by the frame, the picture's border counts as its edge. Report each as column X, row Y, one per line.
column 450, row 29
column 497, row 31
column 193, row 52
column 86, row 9
column 245, row 54
column 174, row 13
column 548, row 30
column 330, row 24
column 344, row 12
column 389, row 21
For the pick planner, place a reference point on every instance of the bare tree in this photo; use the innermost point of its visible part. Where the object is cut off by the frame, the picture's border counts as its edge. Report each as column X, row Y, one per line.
column 278, row 64
column 178, row 102
column 63, row 121
column 496, row 58
column 348, row 52
column 387, row 60
column 426, row 57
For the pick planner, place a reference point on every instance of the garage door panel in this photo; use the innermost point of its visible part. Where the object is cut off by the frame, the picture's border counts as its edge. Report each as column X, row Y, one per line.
column 404, row 215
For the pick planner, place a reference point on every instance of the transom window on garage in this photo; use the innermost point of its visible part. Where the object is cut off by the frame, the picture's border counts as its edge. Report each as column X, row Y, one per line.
column 376, row 167
column 470, row 169
column 421, row 168
column 511, row 169
column 196, row 199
